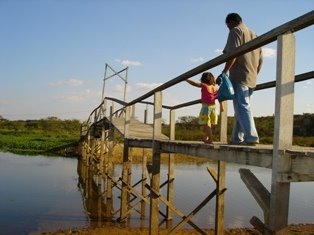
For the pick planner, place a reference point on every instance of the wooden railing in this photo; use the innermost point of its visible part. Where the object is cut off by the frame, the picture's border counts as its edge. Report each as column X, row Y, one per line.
column 277, row 215
column 288, row 28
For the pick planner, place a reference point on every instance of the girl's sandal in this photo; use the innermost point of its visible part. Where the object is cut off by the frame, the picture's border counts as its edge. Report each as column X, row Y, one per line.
column 207, row 142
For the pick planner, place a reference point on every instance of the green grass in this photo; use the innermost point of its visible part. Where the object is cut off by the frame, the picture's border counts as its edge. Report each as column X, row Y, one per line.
column 36, row 141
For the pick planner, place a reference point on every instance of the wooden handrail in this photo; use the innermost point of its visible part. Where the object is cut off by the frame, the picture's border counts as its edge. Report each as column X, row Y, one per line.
column 298, row 78
column 291, row 26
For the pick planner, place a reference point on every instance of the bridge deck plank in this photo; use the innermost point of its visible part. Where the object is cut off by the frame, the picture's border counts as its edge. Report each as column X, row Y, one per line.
column 137, row 129
column 301, row 158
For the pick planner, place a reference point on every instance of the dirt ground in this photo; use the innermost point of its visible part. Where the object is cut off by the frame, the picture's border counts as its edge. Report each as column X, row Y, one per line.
column 298, row 229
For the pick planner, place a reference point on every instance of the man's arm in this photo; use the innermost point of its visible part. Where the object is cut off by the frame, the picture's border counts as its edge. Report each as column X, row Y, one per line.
column 260, row 62
column 228, row 65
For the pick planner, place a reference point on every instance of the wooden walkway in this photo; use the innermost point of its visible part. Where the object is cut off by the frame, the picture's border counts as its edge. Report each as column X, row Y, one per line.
column 138, row 130
column 299, row 169
column 301, row 158
column 288, row 163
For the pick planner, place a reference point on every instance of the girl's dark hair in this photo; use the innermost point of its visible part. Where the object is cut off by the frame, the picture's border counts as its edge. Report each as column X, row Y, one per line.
column 233, row 17
column 208, row 78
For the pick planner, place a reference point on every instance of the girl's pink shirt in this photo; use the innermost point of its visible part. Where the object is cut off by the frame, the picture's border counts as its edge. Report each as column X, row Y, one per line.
column 207, row 96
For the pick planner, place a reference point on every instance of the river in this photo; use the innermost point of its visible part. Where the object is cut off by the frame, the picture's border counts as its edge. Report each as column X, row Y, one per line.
column 41, row 193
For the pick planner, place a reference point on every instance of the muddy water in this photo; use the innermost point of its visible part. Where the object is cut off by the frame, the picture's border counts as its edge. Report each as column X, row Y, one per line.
column 40, row 193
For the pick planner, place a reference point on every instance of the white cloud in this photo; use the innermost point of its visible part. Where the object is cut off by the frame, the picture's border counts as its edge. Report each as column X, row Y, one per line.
column 269, row 52
column 307, row 84
column 74, row 82
column 70, row 82
column 78, row 96
column 147, row 86
column 218, row 51
column 197, row 60
column 118, row 88
column 129, row 62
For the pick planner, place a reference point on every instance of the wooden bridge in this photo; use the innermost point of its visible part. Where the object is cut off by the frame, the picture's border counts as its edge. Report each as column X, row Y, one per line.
column 288, row 163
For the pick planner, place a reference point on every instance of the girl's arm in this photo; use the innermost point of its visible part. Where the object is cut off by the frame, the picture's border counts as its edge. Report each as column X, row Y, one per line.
column 197, row 84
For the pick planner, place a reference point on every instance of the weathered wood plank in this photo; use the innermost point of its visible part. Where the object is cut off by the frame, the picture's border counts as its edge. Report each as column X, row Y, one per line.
column 259, row 225
column 257, row 189
column 283, row 130
column 137, row 129
column 301, row 159
column 220, row 199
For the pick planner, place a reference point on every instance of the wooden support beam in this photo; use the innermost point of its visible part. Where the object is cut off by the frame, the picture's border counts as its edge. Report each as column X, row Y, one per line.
column 260, row 226
column 173, row 208
column 145, row 176
column 124, row 187
column 294, row 177
column 155, row 178
column 223, row 121
column 192, row 213
column 157, row 115
column 283, row 130
column 213, row 174
column 154, row 198
column 171, row 166
column 127, row 121
column 220, row 199
column 257, row 189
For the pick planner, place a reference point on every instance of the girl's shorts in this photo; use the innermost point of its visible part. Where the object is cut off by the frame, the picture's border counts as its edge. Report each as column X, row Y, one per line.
column 208, row 115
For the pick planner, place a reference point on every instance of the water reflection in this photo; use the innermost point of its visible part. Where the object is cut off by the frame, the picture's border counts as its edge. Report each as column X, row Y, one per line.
column 97, row 205
column 41, row 193
column 38, row 193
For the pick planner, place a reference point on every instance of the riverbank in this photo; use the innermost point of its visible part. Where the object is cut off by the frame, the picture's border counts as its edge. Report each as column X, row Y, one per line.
column 295, row 229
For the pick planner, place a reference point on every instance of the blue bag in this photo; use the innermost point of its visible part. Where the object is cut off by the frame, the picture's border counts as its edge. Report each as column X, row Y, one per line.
column 225, row 90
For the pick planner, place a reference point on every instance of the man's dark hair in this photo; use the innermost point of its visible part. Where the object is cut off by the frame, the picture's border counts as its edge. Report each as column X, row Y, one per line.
column 233, row 17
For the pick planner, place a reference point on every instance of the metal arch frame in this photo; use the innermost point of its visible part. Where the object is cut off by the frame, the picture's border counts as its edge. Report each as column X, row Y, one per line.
column 124, row 79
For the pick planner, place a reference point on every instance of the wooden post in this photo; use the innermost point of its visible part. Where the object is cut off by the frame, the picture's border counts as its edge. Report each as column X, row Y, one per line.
column 259, row 192
column 145, row 114
column 170, row 190
column 112, row 108
column 144, row 175
column 88, row 152
column 109, row 166
column 124, row 190
column 157, row 115
column 126, row 166
column 155, row 182
column 223, row 123
column 221, row 176
column 133, row 111
column 220, row 199
column 127, row 122
column 154, row 198
column 283, row 131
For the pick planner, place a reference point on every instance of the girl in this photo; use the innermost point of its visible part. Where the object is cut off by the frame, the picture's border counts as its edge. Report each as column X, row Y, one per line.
column 208, row 115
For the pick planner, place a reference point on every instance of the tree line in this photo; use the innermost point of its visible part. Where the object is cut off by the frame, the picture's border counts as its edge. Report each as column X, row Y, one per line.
column 51, row 134
column 187, row 128
column 49, row 124
column 45, row 136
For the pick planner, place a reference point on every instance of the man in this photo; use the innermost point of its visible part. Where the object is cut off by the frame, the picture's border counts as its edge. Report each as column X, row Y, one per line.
column 243, row 72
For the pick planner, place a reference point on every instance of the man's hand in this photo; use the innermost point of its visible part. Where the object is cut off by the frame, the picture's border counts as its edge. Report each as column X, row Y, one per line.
column 219, row 78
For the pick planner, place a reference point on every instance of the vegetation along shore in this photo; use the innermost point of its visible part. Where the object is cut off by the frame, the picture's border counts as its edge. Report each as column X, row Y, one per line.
column 53, row 136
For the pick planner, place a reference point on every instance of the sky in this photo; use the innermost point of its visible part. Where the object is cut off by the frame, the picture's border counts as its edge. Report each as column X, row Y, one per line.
column 53, row 52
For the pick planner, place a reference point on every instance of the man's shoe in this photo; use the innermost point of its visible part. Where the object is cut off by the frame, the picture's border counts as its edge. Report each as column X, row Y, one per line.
column 248, row 143
column 244, row 143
